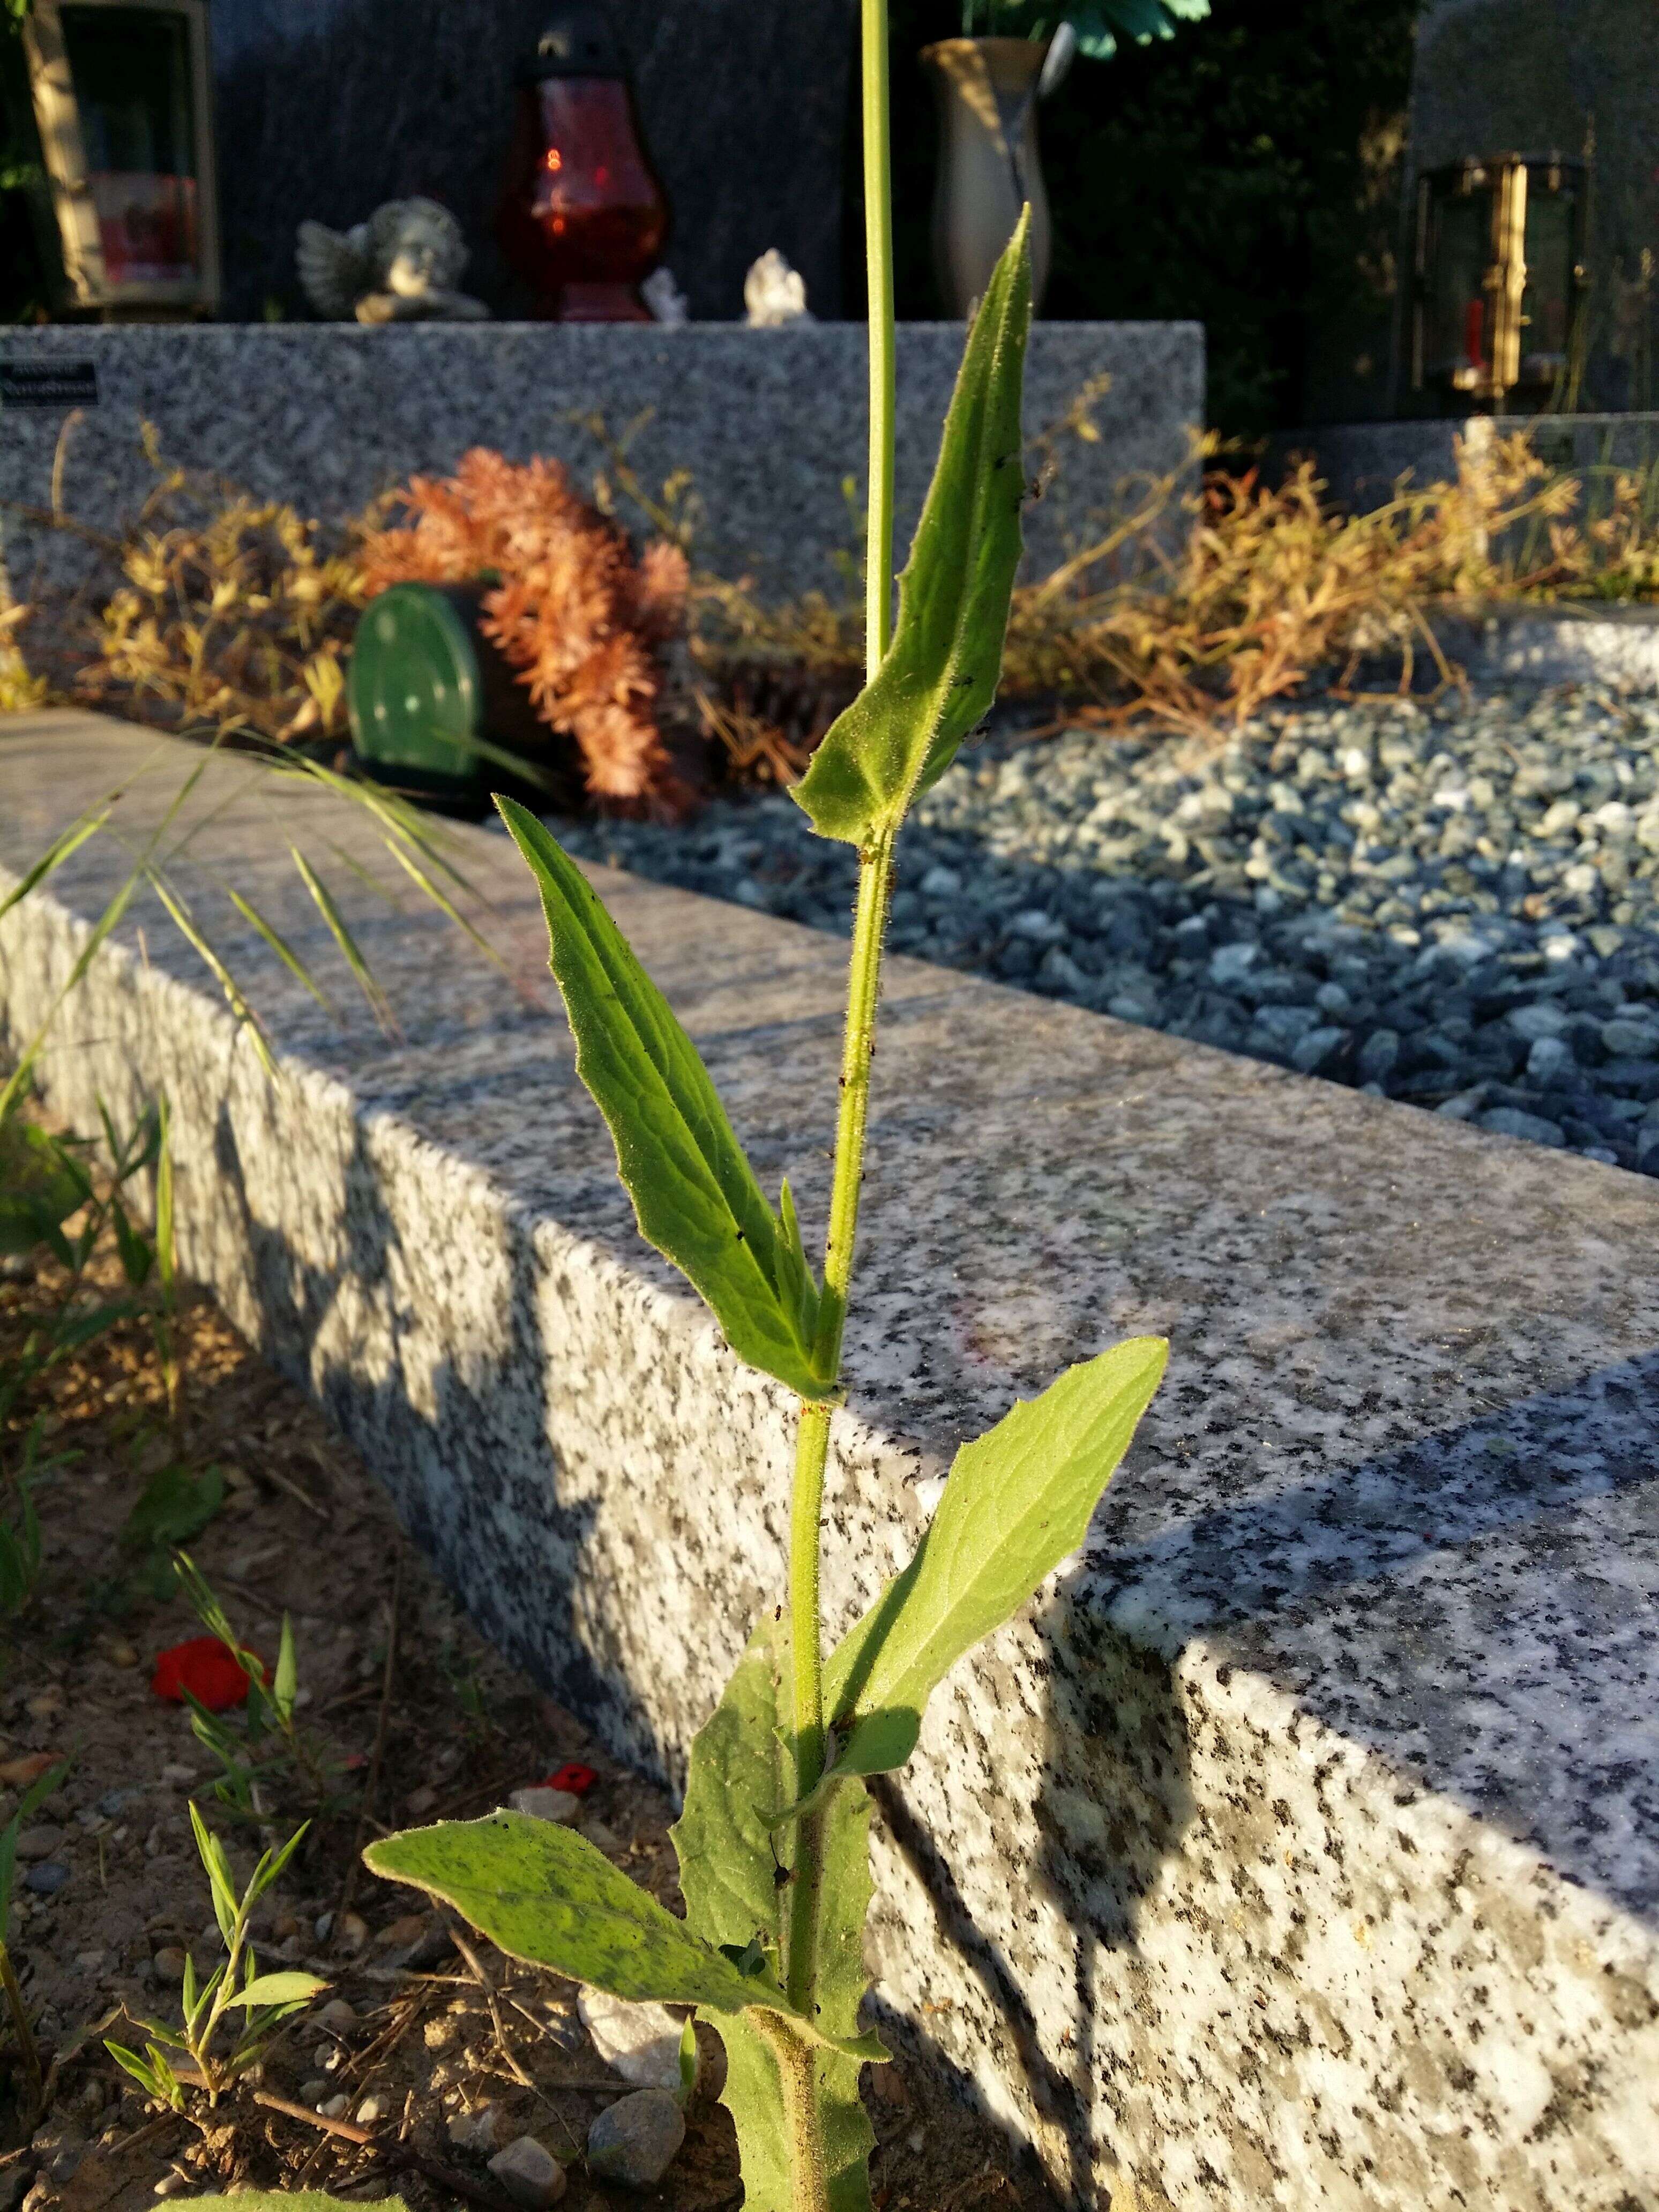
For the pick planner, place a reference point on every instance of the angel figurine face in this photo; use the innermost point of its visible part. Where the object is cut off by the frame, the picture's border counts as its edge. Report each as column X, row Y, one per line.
column 400, row 266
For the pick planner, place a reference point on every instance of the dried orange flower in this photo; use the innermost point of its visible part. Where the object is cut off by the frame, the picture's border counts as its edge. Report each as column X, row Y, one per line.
column 581, row 618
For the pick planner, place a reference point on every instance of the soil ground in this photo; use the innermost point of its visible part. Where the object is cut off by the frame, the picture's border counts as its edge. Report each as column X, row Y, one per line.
column 410, row 1717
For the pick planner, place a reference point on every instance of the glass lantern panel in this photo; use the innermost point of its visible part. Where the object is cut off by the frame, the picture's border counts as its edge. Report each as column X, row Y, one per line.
column 131, row 70
column 1456, row 341
column 1546, row 304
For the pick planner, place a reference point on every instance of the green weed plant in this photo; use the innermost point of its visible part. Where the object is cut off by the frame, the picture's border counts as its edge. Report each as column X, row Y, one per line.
column 773, row 1840
column 194, row 2054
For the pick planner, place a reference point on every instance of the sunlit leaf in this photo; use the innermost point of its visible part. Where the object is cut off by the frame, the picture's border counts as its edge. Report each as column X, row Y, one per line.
column 1016, row 1502
column 939, row 675
column 544, row 1895
column 285, row 1989
column 694, row 1191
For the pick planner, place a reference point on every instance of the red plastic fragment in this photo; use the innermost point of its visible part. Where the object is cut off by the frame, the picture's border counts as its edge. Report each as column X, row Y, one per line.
column 206, row 1669
column 574, row 1778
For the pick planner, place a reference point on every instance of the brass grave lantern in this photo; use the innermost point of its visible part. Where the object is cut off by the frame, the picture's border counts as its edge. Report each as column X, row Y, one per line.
column 1500, row 279
column 122, row 95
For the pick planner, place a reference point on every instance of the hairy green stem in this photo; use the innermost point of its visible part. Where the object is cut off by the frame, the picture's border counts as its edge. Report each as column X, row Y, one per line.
column 813, row 1442
column 884, row 386
column 809, row 2164
column 808, row 2180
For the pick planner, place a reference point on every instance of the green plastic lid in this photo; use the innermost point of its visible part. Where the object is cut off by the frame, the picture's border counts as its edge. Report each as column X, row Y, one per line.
column 412, row 688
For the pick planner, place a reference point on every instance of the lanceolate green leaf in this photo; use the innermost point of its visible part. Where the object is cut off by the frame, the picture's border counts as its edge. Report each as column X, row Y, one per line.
column 544, row 1895
column 939, row 675
column 693, row 1190
column 735, row 1891
column 285, row 1989
column 1016, row 1502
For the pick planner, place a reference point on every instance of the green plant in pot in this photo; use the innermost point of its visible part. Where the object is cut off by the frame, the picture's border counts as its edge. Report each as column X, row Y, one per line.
column 1010, row 56
column 773, row 1841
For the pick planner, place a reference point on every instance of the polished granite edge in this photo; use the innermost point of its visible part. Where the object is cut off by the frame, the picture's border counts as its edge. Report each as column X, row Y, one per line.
column 1298, row 1847
column 329, row 416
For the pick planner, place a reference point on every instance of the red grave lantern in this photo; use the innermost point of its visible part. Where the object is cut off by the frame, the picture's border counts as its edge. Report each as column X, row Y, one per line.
column 583, row 216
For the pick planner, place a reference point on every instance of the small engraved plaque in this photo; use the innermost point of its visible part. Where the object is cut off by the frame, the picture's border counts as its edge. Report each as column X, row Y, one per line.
column 61, row 384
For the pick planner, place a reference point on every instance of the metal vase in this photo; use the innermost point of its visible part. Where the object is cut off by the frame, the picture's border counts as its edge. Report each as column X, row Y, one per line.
column 990, row 163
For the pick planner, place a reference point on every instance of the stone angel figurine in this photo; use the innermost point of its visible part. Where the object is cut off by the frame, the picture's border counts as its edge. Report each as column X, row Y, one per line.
column 400, row 266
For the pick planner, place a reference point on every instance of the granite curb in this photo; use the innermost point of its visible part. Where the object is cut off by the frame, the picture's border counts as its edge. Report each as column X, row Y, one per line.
column 1298, row 1847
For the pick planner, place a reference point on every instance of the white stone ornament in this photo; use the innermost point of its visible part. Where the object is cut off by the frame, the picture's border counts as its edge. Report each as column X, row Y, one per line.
column 774, row 294
column 640, row 2042
column 400, row 266
column 668, row 304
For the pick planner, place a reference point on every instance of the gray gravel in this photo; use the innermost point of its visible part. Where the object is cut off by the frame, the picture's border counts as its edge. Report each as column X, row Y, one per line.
column 1455, row 903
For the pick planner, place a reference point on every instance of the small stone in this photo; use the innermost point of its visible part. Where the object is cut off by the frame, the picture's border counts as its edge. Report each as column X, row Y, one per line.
column 1310, row 1051
column 120, row 1653
column 430, row 1949
column 634, row 2143
column 888, row 2086
column 641, row 2042
column 335, row 2108
column 474, row 2130
column 313, row 2091
column 47, row 1880
column 1511, row 1121
column 371, row 2109
column 171, row 2184
column 39, row 1844
column 1628, row 1040
column 1550, row 1061
column 1378, row 1054
column 541, row 1804
column 399, row 1935
column 529, row 2173
column 1231, row 963
column 420, row 1801
column 352, row 1933
column 18, row 1773
column 169, row 1963
column 1539, row 1019
column 337, row 2016
column 45, row 1704
column 180, row 1775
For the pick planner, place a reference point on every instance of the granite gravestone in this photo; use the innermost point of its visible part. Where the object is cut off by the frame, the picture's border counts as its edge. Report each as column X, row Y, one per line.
column 1575, row 78
column 327, row 108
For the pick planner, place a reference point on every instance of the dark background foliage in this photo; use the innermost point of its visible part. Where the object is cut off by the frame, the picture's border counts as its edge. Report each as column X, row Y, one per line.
column 1243, row 173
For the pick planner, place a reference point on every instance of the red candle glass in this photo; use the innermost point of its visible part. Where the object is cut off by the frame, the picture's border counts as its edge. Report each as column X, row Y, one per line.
column 583, row 215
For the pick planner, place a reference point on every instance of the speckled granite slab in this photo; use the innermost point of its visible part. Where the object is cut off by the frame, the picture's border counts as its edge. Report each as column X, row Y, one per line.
column 770, row 424
column 1300, row 1848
